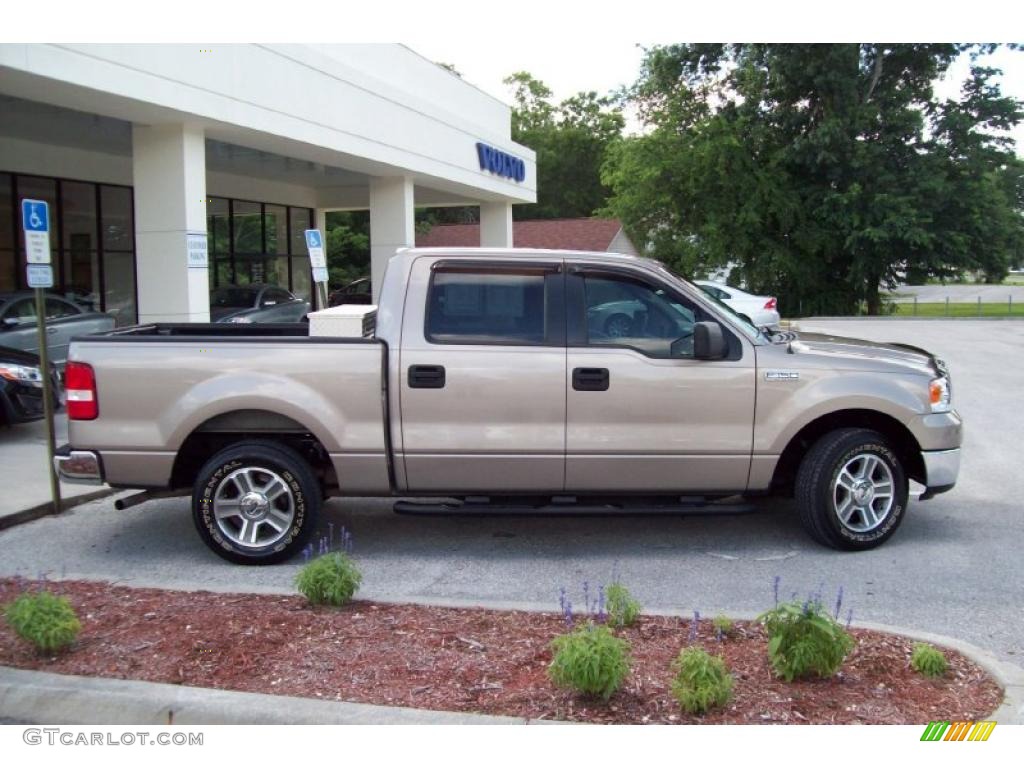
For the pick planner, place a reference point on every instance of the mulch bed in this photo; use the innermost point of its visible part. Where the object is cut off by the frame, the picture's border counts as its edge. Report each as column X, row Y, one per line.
column 468, row 660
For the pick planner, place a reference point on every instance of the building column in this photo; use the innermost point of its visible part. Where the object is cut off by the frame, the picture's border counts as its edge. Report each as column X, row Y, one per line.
column 496, row 225
column 169, row 175
column 392, row 224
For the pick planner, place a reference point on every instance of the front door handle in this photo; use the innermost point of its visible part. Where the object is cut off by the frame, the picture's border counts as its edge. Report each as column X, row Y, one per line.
column 426, row 377
column 590, row 379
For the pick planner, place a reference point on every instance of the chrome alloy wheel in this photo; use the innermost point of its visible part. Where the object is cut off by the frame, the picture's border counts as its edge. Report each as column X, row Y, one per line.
column 254, row 507
column 863, row 493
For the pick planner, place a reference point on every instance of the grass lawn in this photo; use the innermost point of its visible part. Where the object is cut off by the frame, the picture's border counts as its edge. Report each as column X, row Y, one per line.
column 962, row 309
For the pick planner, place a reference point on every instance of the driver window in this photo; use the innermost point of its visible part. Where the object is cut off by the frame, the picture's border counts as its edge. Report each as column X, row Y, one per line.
column 23, row 311
column 626, row 312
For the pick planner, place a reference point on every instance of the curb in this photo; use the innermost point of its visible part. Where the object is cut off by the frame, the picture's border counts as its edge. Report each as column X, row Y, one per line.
column 11, row 519
column 45, row 697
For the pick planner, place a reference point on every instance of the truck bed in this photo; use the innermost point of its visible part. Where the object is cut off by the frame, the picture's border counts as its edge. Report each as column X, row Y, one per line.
column 159, row 384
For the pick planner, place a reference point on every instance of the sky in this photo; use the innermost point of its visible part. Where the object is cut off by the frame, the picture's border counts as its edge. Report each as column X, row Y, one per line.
column 609, row 65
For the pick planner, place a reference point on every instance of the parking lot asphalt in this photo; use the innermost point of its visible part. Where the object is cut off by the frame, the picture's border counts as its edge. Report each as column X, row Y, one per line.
column 955, row 567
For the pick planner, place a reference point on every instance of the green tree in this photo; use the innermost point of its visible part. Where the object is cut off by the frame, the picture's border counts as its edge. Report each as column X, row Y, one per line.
column 571, row 139
column 819, row 172
column 347, row 246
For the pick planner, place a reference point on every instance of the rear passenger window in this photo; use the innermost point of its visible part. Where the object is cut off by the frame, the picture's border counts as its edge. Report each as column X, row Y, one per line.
column 469, row 307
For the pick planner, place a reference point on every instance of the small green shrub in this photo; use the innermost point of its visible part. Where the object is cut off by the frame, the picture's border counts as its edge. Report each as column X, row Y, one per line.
column 623, row 610
column 702, row 681
column 804, row 640
column 590, row 660
column 928, row 660
column 43, row 619
column 331, row 579
column 724, row 625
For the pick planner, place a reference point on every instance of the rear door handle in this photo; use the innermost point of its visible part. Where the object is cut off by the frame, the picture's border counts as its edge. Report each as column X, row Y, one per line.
column 590, row 379
column 426, row 377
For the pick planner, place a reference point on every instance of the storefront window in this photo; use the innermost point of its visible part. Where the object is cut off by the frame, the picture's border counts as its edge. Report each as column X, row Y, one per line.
column 81, row 262
column 302, row 219
column 247, row 220
column 8, row 263
column 259, row 246
column 275, row 223
column 92, row 241
column 118, row 227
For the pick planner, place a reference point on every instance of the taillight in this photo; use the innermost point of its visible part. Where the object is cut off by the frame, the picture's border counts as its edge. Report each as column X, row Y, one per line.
column 771, row 303
column 80, row 389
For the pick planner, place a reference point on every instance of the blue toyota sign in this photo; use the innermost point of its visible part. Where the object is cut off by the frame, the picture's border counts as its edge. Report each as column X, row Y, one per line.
column 500, row 163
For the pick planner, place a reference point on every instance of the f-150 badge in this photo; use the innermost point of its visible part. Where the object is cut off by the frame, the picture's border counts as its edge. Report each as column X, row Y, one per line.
column 781, row 375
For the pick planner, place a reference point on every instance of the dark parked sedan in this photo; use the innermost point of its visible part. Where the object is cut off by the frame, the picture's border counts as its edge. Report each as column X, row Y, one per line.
column 64, row 319
column 356, row 292
column 21, row 387
column 231, row 299
column 286, row 312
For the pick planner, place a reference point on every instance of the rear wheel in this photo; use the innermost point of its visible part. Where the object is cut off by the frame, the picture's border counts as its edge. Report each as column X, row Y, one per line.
column 851, row 490
column 256, row 502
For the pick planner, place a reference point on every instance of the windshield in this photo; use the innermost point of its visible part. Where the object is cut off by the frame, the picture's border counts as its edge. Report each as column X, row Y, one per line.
column 749, row 329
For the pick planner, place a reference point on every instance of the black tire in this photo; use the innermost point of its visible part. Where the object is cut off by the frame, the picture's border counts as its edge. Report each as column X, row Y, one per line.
column 280, row 466
column 818, row 497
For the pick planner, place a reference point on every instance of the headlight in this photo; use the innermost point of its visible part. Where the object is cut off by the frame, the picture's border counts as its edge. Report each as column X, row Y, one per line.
column 23, row 373
column 939, row 395
column 239, row 320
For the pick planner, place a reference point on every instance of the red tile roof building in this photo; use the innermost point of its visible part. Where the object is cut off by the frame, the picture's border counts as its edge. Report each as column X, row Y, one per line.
column 589, row 234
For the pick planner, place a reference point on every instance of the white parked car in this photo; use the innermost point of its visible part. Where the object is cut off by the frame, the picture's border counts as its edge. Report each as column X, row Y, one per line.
column 762, row 311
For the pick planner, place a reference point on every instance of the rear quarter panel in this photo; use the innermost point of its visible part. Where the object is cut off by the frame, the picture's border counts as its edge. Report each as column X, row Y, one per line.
column 153, row 394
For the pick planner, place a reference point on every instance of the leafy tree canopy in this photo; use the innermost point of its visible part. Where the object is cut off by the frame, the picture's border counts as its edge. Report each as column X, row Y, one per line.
column 820, row 172
column 571, row 139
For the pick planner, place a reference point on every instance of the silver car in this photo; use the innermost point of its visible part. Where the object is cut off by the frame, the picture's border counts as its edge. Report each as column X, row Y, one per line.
column 230, row 300
column 285, row 312
column 64, row 319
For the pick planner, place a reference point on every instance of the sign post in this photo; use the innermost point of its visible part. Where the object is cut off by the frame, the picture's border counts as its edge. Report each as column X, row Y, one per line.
column 35, row 218
column 318, row 261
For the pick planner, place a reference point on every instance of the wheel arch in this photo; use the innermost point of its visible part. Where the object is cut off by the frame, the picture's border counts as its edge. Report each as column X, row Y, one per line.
column 900, row 438
column 231, row 427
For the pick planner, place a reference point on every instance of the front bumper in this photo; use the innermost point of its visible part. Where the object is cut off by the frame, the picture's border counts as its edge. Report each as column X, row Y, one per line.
column 941, row 469
column 83, row 467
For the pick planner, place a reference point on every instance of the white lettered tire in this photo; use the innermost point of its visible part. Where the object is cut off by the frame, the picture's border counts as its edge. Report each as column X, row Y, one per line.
column 851, row 490
column 256, row 502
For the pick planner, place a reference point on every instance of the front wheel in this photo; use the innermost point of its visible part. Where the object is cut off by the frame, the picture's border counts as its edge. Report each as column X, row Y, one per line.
column 851, row 490
column 256, row 502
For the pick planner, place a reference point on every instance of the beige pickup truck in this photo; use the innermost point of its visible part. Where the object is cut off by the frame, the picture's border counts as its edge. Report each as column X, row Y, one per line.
column 512, row 380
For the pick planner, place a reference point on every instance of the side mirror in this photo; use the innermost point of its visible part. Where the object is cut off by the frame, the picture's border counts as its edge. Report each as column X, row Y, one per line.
column 709, row 341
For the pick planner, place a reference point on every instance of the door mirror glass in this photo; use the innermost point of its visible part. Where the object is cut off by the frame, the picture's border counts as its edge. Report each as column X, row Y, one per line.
column 708, row 341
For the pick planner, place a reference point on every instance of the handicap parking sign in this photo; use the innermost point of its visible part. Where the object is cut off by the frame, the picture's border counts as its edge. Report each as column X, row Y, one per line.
column 35, row 220
column 35, row 215
column 315, row 244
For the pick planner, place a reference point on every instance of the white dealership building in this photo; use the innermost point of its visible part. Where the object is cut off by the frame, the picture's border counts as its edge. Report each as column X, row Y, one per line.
column 142, row 151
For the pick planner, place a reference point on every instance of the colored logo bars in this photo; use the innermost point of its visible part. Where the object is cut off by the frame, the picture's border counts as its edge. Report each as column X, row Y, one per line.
column 943, row 730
